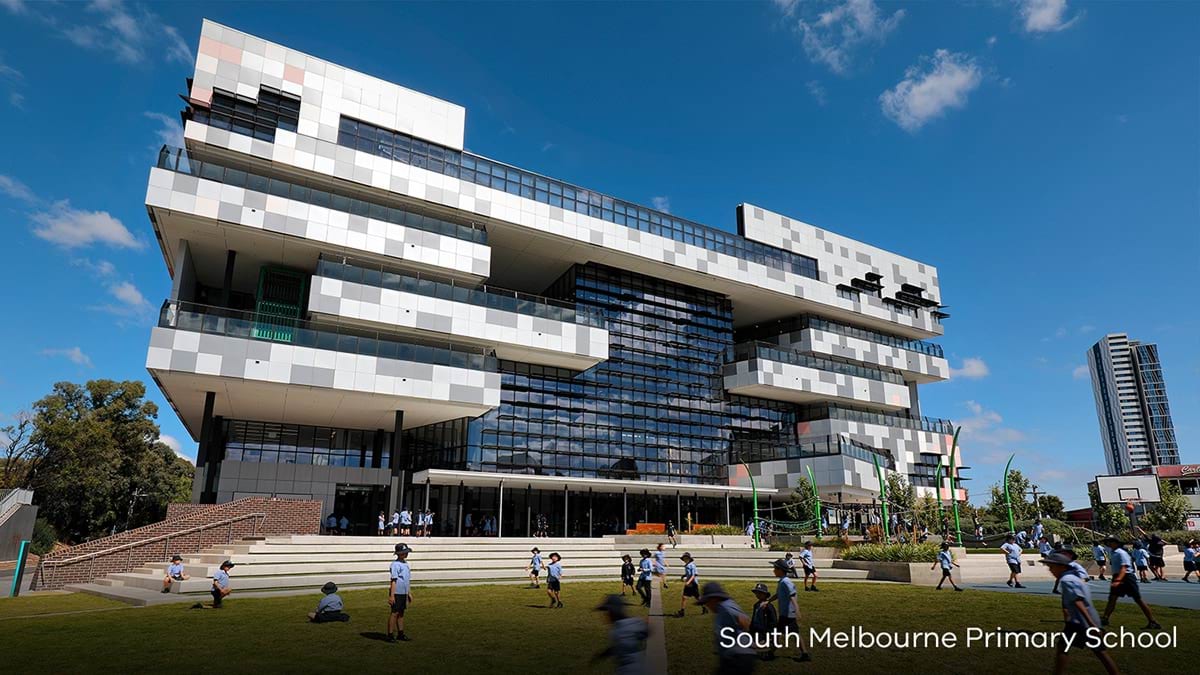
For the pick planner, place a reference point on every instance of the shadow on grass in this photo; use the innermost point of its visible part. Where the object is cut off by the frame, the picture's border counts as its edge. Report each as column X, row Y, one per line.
column 380, row 637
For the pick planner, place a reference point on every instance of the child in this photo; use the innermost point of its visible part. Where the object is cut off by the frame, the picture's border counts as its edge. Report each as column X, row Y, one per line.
column 810, row 567
column 787, row 558
column 428, row 523
column 729, row 622
column 329, row 609
column 381, row 528
column 1098, row 554
column 405, row 522
column 394, row 525
column 175, row 573
column 626, row 573
column 1123, row 583
column 399, row 594
column 1012, row 555
column 947, row 562
column 660, row 564
column 643, row 585
column 691, row 583
column 554, row 580
column 1141, row 560
column 764, row 618
column 534, row 568
column 1190, row 553
column 1044, row 547
column 789, row 610
column 220, row 584
column 1079, row 614
column 626, row 637
column 671, row 534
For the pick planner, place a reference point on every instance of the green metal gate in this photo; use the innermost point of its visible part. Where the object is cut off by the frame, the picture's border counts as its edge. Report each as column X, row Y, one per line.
column 280, row 303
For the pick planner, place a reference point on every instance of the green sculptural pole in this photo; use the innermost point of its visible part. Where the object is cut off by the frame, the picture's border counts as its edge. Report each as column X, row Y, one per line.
column 937, row 482
column 754, row 494
column 1012, row 525
column 953, row 472
column 816, row 499
column 887, row 536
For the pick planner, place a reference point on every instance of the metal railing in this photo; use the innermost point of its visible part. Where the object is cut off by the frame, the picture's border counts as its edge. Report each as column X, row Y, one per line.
column 12, row 499
column 445, row 288
column 179, row 161
column 931, row 424
column 44, row 564
column 329, row 336
column 766, row 331
column 826, row 447
column 770, row 352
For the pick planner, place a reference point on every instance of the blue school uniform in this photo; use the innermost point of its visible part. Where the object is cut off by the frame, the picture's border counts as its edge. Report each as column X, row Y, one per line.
column 1012, row 553
column 627, row 641
column 554, row 570
column 175, row 570
column 660, row 562
column 946, row 560
column 402, row 575
column 535, row 563
column 785, row 590
column 330, row 603
column 1073, row 588
column 689, row 571
column 728, row 616
column 646, row 568
column 1141, row 558
column 1119, row 559
column 806, row 559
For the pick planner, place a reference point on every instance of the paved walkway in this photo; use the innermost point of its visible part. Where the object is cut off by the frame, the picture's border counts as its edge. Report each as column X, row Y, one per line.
column 1173, row 593
column 656, row 645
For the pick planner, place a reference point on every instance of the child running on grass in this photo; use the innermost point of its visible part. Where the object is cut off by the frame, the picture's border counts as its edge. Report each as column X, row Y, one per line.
column 789, row 611
column 1191, row 554
column 1012, row 555
column 643, row 584
column 691, row 583
column 554, row 580
column 1123, row 583
column 660, row 564
column 1079, row 614
column 534, row 568
column 947, row 562
column 627, row 570
column 810, row 567
column 1100, row 556
column 626, row 638
column 399, row 594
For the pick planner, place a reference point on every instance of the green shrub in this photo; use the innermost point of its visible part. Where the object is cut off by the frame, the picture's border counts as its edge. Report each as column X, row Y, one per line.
column 1180, row 537
column 44, row 537
column 922, row 553
column 719, row 530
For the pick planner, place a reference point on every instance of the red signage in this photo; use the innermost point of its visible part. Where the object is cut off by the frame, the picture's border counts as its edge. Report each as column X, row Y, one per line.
column 1178, row 470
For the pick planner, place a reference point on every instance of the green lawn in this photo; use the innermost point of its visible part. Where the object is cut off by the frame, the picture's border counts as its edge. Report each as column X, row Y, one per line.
column 29, row 605
column 507, row 629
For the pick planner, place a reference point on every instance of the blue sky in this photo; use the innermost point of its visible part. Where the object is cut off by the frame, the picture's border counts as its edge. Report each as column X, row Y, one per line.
column 1042, row 155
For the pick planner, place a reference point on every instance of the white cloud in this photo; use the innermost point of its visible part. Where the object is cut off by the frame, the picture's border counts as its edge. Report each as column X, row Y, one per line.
column 174, row 444
column 100, row 268
column 661, row 204
column 986, row 427
column 73, row 354
column 17, row 100
column 833, row 36
column 930, row 88
column 8, row 72
column 128, row 294
column 177, row 48
column 130, row 33
column 16, row 189
column 973, row 368
column 818, row 92
column 74, row 228
column 1046, row 16
column 1081, row 373
column 1086, row 328
column 991, row 41
column 170, row 130
column 14, row 6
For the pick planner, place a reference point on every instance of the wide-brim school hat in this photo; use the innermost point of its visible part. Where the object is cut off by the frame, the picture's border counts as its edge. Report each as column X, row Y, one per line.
column 1057, row 559
column 535, row 550
column 686, row 556
column 613, row 604
column 712, row 591
column 403, row 548
column 645, row 553
column 176, row 558
column 329, row 588
column 228, row 564
column 780, row 564
column 760, row 588
column 556, row 556
column 1112, row 540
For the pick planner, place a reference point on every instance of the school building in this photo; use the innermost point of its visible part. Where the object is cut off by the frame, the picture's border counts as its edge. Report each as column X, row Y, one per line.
column 366, row 313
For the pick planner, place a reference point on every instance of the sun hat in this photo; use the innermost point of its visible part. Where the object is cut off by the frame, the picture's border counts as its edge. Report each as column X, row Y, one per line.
column 760, row 588
column 329, row 588
column 780, row 564
column 712, row 591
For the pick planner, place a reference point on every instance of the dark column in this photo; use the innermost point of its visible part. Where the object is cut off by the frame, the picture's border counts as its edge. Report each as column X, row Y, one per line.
column 377, row 451
column 210, row 465
column 227, row 286
column 396, row 464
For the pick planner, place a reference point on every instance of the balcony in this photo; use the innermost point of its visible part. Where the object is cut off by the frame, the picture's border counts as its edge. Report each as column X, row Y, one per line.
column 519, row 326
column 768, row 371
column 824, row 447
column 267, row 368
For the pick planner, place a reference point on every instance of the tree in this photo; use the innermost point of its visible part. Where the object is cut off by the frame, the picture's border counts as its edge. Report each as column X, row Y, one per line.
column 1018, row 486
column 21, row 456
column 1110, row 518
column 1171, row 512
column 902, row 496
column 1052, row 506
column 800, row 505
column 100, row 464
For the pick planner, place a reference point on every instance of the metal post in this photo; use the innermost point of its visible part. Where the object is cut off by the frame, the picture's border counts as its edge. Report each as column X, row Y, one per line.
column 937, row 483
column 589, row 513
column 754, row 493
column 566, row 511
column 500, row 514
column 19, row 569
column 678, row 510
column 461, row 489
column 728, row 517
column 625, row 509
column 1012, row 524
column 953, row 496
column 427, row 491
column 883, row 500
column 816, row 499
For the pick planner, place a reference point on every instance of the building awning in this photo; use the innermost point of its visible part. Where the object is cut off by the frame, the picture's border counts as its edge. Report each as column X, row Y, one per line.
column 517, row 481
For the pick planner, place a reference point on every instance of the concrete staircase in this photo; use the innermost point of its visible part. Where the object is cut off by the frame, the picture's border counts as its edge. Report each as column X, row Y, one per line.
column 300, row 564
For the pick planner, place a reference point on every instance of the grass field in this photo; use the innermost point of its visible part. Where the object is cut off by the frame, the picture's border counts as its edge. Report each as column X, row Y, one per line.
column 507, row 629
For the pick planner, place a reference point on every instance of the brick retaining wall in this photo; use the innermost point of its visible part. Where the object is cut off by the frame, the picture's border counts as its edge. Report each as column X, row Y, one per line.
column 282, row 517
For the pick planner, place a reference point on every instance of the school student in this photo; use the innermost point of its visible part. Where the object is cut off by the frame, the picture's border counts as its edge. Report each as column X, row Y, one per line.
column 660, row 564
column 399, row 594
column 394, row 524
column 1079, row 614
column 947, row 562
column 810, row 567
column 729, row 623
column 691, row 583
column 554, row 580
column 1123, row 583
column 331, row 524
column 1190, row 554
column 329, row 609
column 344, row 524
column 1012, row 555
column 789, row 609
column 220, row 584
column 1156, row 546
column 627, row 569
column 1044, row 547
column 1141, row 560
column 646, row 569
column 382, row 526
column 626, row 638
column 1101, row 558
column 763, row 618
column 1039, row 530
column 175, row 573
column 671, row 534
column 791, row 563
column 428, row 523
column 534, row 568
column 405, row 522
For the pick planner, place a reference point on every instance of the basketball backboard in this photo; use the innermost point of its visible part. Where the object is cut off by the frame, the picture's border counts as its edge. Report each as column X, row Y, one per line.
column 1122, row 489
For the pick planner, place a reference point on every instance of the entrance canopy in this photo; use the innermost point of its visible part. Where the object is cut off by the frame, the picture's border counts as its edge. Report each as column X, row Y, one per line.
column 518, row 481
